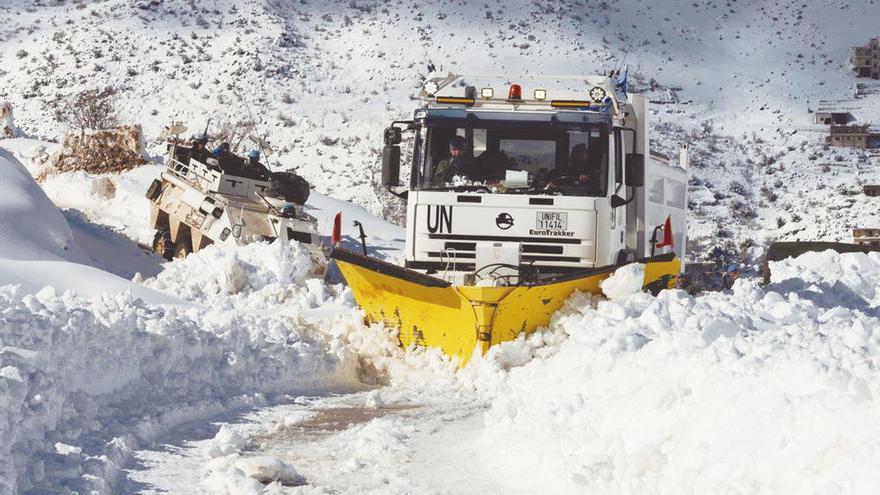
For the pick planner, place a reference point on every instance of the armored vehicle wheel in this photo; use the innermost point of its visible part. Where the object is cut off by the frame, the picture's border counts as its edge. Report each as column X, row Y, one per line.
column 163, row 245
column 182, row 248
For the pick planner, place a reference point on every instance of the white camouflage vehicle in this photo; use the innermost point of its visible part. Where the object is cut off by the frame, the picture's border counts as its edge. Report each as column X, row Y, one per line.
column 194, row 204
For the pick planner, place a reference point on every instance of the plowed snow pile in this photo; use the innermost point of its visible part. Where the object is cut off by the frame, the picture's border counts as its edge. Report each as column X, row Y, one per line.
column 90, row 373
column 762, row 390
column 81, row 379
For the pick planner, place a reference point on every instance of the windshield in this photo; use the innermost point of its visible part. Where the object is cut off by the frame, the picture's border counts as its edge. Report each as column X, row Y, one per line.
column 505, row 156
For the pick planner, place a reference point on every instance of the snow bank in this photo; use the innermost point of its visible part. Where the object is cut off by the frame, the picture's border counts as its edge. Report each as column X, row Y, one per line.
column 767, row 390
column 32, row 226
column 38, row 247
column 84, row 382
column 849, row 277
column 108, row 375
column 256, row 276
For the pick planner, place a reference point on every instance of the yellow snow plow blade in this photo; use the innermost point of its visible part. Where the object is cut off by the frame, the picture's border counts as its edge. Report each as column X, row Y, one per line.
column 428, row 311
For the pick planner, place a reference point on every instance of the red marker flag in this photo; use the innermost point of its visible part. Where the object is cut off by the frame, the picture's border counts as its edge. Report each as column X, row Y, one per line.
column 337, row 229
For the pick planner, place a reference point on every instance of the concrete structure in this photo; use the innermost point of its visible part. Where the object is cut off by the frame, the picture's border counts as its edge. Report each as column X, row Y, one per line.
column 832, row 117
column 867, row 237
column 865, row 60
column 851, row 136
column 871, row 190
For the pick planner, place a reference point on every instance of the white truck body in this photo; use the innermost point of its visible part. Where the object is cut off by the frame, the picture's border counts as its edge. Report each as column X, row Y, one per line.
column 457, row 231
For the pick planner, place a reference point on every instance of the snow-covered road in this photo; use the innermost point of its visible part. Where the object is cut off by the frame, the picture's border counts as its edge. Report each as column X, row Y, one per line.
column 340, row 444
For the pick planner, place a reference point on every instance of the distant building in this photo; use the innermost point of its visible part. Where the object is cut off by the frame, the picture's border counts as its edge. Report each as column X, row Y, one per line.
column 851, row 136
column 867, row 237
column 833, row 117
column 865, row 60
column 871, row 190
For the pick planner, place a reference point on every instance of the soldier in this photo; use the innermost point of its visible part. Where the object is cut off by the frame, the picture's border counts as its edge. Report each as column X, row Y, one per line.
column 198, row 150
column 460, row 162
column 577, row 171
column 730, row 275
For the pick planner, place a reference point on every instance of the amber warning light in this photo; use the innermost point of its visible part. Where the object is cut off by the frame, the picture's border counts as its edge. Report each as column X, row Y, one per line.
column 515, row 92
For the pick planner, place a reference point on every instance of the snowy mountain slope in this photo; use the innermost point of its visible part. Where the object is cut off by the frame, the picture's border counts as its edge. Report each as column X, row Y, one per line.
column 322, row 79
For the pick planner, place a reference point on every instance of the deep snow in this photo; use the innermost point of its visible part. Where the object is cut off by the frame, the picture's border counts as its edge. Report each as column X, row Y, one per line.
column 754, row 390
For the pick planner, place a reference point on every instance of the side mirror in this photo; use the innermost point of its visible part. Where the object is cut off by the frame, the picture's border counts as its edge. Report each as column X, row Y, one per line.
column 635, row 169
column 393, row 136
column 390, row 166
column 617, row 201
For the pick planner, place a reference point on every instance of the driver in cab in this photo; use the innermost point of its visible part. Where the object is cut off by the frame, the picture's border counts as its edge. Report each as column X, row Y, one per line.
column 460, row 162
column 577, row 172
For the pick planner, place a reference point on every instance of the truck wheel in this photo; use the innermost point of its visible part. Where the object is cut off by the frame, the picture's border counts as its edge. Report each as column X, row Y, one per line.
column 155, row 190
column 163, row 245
column 183, row 247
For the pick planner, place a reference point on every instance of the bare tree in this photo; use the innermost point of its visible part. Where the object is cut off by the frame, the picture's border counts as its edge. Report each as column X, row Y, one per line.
column 93, row 109
column 235, row 133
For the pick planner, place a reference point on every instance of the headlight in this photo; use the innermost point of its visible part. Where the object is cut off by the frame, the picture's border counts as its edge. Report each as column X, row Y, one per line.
column 487, row 93
column 540, row 94
column 430, row 88
column 597, row 94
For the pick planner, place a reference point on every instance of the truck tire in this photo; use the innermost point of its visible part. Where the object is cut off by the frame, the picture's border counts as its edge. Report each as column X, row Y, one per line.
column 155, row 190
column 183, row 247
column 163, row 245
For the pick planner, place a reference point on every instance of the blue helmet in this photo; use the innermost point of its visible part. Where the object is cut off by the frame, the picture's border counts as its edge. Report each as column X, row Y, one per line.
column 733, row 267
column 288, row 210
column 254, row 154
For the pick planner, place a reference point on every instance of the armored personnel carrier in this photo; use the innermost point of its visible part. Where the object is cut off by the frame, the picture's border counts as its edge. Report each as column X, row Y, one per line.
column 201, row 199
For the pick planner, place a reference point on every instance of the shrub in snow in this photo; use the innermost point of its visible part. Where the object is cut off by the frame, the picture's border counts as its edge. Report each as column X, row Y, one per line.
column 7, row 124
column 90, row 110
column 104, row 151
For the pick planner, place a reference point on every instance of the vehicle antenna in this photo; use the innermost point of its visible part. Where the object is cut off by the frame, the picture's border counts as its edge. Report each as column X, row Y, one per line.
column 260, row 142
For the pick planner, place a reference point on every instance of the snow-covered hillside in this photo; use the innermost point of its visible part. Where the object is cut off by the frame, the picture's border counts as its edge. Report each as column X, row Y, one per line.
column 322, row 79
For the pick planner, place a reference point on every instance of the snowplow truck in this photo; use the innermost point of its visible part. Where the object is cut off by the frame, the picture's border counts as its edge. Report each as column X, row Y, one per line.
column 194, row 204
column 519, row 194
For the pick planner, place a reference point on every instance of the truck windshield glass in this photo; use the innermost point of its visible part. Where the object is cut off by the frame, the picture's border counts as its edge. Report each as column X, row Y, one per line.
column 514, row 157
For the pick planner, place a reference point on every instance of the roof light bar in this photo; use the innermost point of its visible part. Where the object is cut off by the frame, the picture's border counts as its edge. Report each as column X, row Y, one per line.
column 570, row 104
column 456, row 100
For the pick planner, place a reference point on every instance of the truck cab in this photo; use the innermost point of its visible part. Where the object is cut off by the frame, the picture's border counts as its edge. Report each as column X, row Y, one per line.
column 512, row 183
